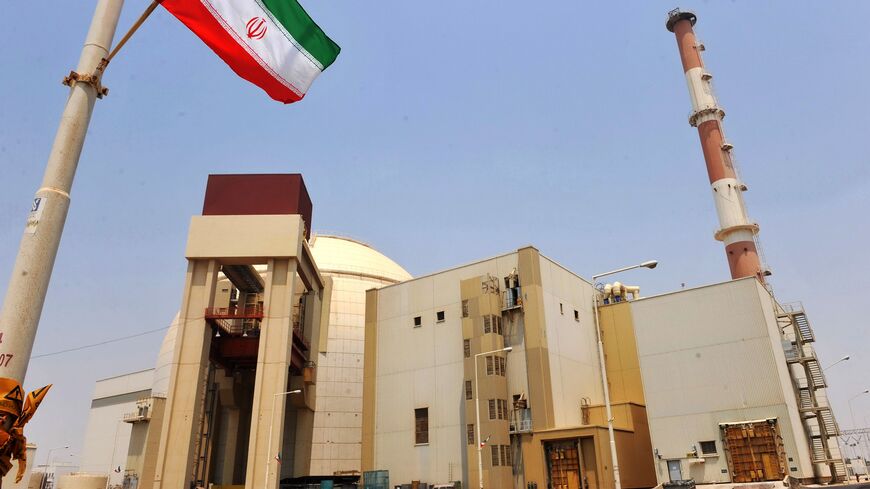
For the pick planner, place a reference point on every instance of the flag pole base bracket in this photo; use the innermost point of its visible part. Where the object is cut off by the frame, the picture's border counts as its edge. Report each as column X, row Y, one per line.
column 92, row 80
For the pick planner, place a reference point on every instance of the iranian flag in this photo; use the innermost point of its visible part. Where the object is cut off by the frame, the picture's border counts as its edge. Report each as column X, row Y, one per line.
column 274, row 44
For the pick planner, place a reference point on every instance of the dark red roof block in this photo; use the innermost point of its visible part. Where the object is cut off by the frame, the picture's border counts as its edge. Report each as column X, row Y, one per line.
column 247, row 194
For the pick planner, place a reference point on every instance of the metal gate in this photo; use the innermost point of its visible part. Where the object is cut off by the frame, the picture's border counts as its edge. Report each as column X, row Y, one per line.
column 755, row 451
column 563, row 459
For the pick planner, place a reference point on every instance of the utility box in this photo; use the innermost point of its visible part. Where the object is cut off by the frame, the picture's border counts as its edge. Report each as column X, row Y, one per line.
column 376, row 479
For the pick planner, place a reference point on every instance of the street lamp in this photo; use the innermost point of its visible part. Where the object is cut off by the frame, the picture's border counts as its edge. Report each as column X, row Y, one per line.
column 851, row 411
column 477, row 409
column 48, row 465
column 271, row 425
column 647, row 264
column 847, row 357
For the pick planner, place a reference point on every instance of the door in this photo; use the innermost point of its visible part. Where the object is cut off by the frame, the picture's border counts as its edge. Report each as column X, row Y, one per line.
column 674, row 470
column 563, row 457
column 755, row 451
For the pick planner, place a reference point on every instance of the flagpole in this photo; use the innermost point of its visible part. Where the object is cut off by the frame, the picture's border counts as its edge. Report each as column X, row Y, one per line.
column 31, row 273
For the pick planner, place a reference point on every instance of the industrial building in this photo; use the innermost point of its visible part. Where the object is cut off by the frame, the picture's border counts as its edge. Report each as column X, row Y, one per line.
column 698, row 378
column 435, row 354
column 296, row 356
column 136, row 401
column 726, row 395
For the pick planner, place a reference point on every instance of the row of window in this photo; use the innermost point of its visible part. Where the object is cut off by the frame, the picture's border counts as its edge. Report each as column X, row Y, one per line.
column 439, row 318
column 501, row 455
column 492, row 324
column 495, row 365
column 576, row 312
column 498, row 409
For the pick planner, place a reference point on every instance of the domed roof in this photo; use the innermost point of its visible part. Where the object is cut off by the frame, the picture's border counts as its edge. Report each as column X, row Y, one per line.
column 163, row 369
column 336, row 254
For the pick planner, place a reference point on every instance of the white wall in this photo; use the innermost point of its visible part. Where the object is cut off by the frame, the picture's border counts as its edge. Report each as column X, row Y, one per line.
column 338, row 419
column 713, row 355
column 423, row 367
column 573, row 347
column 107, row 437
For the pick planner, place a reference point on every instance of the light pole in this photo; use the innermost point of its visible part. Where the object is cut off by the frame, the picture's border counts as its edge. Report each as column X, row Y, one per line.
column 847, row 357
column 647, row 264
column 851, row 411
column 477, row 410
column 48, row 465
column 271, row 425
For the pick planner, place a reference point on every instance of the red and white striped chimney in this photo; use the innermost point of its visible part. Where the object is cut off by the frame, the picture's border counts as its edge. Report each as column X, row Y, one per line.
column 735, row 229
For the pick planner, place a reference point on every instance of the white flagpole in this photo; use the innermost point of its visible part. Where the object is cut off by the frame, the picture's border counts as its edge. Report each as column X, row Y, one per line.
column 25, row 294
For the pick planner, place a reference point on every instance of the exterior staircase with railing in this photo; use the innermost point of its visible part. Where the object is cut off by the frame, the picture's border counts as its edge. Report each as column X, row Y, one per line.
column 808, row 381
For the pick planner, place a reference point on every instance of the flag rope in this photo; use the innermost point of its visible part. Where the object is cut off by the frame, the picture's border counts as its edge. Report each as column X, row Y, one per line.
column 141, row 20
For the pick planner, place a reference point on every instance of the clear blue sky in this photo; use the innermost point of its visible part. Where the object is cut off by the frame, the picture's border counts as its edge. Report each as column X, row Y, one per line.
column 563, row 123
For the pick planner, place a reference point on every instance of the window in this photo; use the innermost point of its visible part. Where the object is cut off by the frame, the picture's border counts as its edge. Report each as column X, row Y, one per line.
column 469, row 394
column 439, row 317
column 498, row 409
column 465, row 309
column 708, row 447
column 576, row 315
column 469, row 434
column 496, row 459
column 492, row 324
column 495, row 366
column 418, row 321
column 506, row 455
column 421, row 426
column 466, row 346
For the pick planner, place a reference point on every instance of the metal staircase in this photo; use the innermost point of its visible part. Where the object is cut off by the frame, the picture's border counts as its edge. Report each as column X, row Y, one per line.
column 818, row 418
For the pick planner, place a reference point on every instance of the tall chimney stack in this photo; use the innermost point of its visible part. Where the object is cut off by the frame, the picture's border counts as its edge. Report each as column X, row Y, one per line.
column 735, row 229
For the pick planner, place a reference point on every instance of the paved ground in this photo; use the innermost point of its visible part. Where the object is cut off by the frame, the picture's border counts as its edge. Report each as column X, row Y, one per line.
column 859, row 485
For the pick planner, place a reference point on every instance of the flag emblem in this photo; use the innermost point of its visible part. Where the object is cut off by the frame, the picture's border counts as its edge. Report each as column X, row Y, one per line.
column 256, row 28
column 284, row 65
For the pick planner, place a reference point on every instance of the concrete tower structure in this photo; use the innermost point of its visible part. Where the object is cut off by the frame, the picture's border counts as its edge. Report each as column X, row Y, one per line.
column 240, row 390
column 735, row 228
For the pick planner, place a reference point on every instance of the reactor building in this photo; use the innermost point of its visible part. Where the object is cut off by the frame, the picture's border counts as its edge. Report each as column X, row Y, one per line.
column 297, row 358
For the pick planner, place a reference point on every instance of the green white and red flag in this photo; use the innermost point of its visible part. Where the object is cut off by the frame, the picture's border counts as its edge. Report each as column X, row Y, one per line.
column 274, row 44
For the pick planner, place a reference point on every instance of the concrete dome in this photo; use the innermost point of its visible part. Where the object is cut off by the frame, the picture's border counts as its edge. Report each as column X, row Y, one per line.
column 335, row 254
column 163, row 368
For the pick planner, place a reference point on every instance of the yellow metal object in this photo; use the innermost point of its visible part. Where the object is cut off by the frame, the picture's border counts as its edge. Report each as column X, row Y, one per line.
column 15, row 411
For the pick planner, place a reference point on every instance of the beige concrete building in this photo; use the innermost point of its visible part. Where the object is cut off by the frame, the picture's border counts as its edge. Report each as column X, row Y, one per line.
column 240, row 396
column 733, row 389
column 434, row 346
column 108, row 437
column 353, row 268
column 194, row 418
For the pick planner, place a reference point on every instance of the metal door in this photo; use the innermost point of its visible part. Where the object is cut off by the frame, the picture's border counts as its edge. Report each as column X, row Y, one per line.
column 674, row 470
column 563, row 459
column 755, row 451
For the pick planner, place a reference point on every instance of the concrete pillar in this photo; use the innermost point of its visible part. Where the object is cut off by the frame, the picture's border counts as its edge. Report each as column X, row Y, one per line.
column 148, row 462
column 227, row 436
column 273, row 361
column 183, row 411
